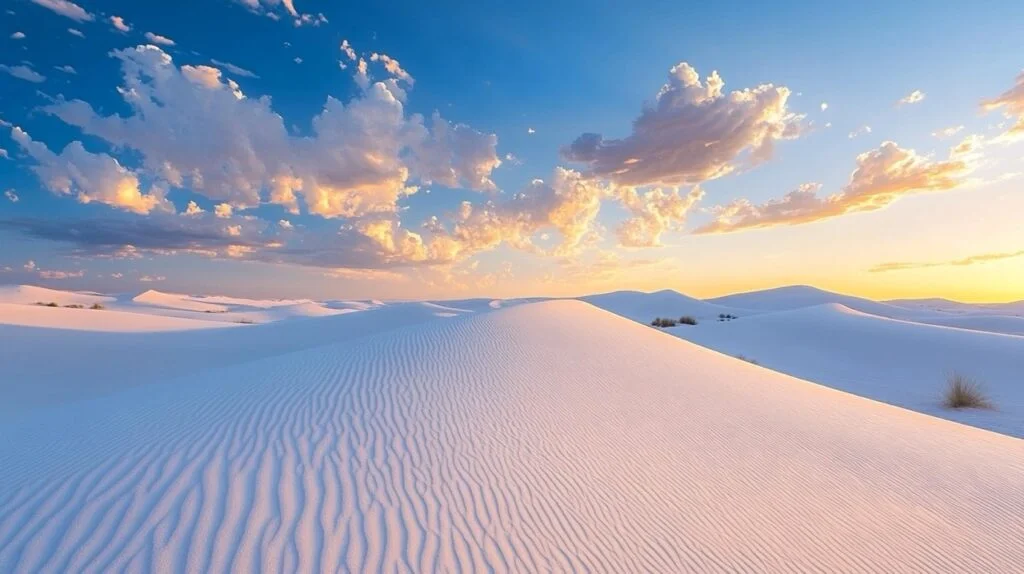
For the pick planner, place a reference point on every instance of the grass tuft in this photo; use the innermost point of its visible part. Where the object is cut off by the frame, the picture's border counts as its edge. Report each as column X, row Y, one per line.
column 964, row 393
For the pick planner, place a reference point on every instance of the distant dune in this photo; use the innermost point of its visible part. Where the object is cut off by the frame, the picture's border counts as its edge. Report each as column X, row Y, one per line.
column 550, row 436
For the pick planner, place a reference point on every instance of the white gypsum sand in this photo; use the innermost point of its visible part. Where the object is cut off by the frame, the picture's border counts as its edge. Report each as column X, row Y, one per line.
column 548, row 436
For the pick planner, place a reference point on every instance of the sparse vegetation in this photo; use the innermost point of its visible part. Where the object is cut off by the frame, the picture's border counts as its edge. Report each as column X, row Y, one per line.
column 246, row 321
column 965, row 393
column 726, row 317
column 687, row 320
column 50, row 304
column 663, row 323
column 97, row 307
column 747, row 359
column 74, row 306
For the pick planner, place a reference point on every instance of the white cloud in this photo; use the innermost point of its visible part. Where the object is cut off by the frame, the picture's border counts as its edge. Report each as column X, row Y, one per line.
column 882, row 176
column 18, row 36
column 531, row 131
column 158, row 39
column 11, row 196
column 348, row 50
column 824, row 106
column 76, row 32
column 4, row 154
column 193, row 130
column 285, row 224
column 118, row 23
column 693, row 132
column 912, row 98
column 193, row 209
column 30, row 265
column 151, row 278
column 89, row 177
column 1011, row 102
column 49, row 274
column 236, row 70
column 222, row 210
column 66, row 9
column 65, row 69
column 863, row 130
column 948, row 132
column 23, row 72
column 393, row 67
column 653, row 213
column 297, row 60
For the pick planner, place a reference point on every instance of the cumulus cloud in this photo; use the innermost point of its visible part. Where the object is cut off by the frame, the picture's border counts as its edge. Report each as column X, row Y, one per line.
column 882, row 176
column 89, row 177
column 222, row 210
column 76, row 32
column 23, row 72
column 18, row 36
column 66, row 69
column 193, row 209
column 965, row 261
column 119, row 24
column 193, row 129
column 912, row 98
column 11, row 196
column 158, row 39
column 348, row 50
column 653, row 213
column 151, row 278
column 1011, row 103
column 4, row 154
column 66, row 8
column 568, row 203
column 693, row 132
column 824, row 106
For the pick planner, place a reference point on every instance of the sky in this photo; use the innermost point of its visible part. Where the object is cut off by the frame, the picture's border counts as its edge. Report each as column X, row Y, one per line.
column 301, row 148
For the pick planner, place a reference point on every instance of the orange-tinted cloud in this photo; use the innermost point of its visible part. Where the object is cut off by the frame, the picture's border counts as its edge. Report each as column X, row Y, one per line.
column 1011, row 102
column 881, row 177
column 971, row 260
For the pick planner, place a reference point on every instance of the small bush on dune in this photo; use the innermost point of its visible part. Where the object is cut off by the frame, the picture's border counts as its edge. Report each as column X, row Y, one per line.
column 97, row 307
column 246, row 321
column 74, row 306
column 687, row 320
column 965, row 393
column 50, row 304
column 659, row 322
column 747, row 359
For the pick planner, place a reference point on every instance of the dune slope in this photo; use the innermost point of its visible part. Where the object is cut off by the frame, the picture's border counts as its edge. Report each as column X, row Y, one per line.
column 544, row 437
column 900, row 362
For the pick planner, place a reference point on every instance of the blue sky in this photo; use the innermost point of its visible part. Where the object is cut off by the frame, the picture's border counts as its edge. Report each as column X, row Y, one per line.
column 515, row 84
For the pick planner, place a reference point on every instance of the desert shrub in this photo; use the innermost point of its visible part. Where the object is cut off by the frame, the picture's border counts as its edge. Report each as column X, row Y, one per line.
column 660, row 322
column 687, row 320
column 246, row 321
column 747, row 359
column 50, row 304
column 964, row 393
column 74, row 306
column 97, row 307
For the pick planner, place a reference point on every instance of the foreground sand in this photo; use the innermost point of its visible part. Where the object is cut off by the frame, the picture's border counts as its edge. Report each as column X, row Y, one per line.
column 546, row 437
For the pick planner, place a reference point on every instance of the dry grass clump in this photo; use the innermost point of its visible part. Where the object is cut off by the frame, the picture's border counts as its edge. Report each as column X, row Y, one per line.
column 660, row 322
column 964, row 393
column 97, row 307
column 50, row 304
column 687, row 320
column 747, row 359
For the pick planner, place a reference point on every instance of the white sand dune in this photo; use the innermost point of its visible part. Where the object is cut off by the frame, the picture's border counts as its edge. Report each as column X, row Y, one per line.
column 106, row 320
column 177, row 301
column 645, row 307
column 30, row 295
column 997, row 318
column 800, row 296
column 544, row 437
column 91, row 364
column 898, row 362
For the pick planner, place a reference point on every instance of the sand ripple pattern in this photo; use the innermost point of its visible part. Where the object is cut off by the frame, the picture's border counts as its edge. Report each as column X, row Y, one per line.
column 550, row 437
